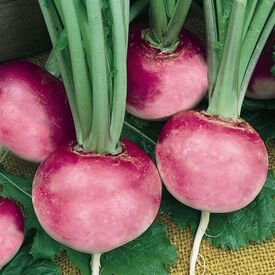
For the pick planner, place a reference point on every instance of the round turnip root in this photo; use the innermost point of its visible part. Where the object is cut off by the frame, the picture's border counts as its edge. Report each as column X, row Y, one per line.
column 34, row 113
column 262, row 83
column 94, row 203
column 211, row 164
column 11, row 230
column 161, row 84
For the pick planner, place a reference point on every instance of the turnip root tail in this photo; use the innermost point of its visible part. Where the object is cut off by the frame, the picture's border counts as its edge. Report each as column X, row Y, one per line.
column 95, row 263
column 197, row 241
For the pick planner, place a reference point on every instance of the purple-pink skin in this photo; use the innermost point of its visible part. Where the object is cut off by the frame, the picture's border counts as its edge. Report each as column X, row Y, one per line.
column 11, row 230
column 34, row 113
column 94, row 203
column 160, row 84
column 262, row 83
column 211, row 164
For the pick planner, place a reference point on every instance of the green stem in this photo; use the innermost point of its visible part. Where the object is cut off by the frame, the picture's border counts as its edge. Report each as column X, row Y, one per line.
column 126, row 18
column 170, row 6
column 59, row 10
column 251, row 6
column 99, row 138
column 158, row 18
column 224, row 99
column 219, row 19
column 170, row 37
column 255, row 56
column 120, row 80
column 251, row 38
column 212, row 38
column 79, row 67
column 54, row 28
column 84, row 30
column 158, row 22
column 137, row 8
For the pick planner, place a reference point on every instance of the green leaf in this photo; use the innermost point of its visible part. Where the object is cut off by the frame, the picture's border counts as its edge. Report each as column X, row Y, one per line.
column 255, row 222
column 258, row 105
column 142, row 132
column 81, row 260
column 263, row 121
column 42, row 267
column 44, row 247
column 24, row 264
column 151, row 253
column 183, row 215
column 19, row 190
column 269, row 189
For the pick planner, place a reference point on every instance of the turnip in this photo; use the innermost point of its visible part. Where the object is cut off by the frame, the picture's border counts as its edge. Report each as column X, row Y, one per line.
column 214, row 161
column 12, row 230
column 167, row 72
column 219, row 165
column 262, row 83
column 34, row 115
column 98, row 193
column 108, row 199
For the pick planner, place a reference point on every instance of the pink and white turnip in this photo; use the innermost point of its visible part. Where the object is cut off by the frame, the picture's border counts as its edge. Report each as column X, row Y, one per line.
column 210, row 163
column 94, row 203
column 162, row 84
column 11, row 230
column 34, row 114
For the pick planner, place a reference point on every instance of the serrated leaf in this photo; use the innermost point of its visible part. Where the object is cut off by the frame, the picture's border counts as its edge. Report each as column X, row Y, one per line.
column 269, row 189
column 24, row 264
column 255, row 222
column 19, row 190
column 42, row 267
column 44, row 247
column 81, row 260
column 151, row 253
column 182, row 214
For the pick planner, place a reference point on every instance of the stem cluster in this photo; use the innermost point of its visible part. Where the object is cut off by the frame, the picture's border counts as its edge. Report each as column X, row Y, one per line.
column 236, row 36
column 166, row 20
column 90, row 41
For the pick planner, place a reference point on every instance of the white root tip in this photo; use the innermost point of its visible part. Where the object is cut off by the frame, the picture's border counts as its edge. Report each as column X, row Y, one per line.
column 95, row 264
column 204, row 221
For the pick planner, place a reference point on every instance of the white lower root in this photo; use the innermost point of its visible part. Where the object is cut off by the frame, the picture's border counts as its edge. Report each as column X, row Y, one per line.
column 95, row 264
column 204, row 221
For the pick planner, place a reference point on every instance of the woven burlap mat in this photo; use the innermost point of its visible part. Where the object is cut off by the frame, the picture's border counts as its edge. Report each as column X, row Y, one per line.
column 256, row 259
